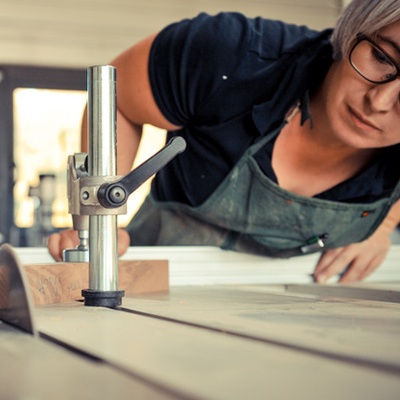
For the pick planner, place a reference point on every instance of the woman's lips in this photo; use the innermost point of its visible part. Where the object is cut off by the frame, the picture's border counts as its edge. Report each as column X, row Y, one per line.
column 361, row 121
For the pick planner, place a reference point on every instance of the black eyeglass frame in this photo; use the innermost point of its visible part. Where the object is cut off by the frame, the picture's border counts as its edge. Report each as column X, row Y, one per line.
column 361, row 37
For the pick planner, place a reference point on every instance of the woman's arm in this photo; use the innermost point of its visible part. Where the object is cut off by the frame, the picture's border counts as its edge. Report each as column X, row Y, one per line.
column 136, row 107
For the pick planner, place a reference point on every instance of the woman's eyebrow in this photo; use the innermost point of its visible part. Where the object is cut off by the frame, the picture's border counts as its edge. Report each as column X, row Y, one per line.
column 389, row 41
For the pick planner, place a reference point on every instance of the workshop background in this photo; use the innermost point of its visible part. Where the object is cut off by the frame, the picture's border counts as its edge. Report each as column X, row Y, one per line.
column 78, row 33
column 45, row 48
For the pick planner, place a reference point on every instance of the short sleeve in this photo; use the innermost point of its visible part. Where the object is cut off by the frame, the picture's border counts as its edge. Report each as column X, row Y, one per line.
column 189, row 60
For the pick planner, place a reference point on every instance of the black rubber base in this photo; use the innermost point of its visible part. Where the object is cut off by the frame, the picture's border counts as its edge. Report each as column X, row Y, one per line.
column 98, row 298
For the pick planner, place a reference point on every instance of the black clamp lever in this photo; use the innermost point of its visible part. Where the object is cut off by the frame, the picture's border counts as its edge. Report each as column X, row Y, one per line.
column 115, row 194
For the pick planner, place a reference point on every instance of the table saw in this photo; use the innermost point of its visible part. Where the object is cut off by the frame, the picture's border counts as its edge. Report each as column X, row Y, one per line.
column 184, row 322
column 267, row 331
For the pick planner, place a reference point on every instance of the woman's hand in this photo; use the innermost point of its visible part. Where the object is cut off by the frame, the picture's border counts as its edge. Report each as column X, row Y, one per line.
column 357, row 260
column 68, row 239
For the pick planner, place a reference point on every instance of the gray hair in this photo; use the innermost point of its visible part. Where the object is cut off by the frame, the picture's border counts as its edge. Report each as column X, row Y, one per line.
column 366, row 16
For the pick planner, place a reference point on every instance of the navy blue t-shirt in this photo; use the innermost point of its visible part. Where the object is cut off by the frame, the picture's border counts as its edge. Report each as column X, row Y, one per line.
column 227, row 79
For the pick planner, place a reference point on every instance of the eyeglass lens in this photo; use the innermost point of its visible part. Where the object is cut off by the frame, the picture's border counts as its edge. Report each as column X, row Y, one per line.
column 372, row 63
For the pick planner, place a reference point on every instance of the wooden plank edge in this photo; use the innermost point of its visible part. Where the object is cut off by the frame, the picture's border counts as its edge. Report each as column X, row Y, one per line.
column 62, row 282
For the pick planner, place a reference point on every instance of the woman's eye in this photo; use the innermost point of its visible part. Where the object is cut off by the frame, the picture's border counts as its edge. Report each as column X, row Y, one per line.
column 381, row 57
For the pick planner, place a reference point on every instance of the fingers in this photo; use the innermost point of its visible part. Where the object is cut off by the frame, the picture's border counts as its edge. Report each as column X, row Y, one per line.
column 360, row 268
column 68, row 239
column 123, row 241
column 53, row 245
column 58, row 242
column 331, row 263
column 355, row 262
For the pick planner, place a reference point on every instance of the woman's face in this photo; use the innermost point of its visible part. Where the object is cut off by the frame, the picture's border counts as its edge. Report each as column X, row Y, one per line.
column 362, row 114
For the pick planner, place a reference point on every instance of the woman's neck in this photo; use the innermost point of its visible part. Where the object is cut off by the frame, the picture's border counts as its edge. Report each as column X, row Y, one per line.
column 308, row 160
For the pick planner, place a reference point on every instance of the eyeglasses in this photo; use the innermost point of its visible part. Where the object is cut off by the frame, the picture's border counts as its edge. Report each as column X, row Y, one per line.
column 372, row 62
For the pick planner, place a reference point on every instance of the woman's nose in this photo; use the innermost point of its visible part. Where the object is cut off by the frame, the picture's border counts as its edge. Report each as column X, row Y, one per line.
column 384, row 97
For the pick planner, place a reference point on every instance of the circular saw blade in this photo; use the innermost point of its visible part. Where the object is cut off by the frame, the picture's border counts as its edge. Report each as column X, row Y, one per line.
column 15, row 303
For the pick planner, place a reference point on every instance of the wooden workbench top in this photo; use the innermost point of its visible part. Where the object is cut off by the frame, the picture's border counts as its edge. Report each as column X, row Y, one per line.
column 243, row 341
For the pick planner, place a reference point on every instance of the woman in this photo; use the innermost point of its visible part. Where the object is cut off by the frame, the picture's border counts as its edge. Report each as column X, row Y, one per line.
column 292, row 136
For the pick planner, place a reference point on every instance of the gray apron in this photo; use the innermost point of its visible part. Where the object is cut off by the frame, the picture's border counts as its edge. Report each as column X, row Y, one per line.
column 250, row 213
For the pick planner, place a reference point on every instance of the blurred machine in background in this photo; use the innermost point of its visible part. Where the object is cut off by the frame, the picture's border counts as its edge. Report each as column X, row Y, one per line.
column 43, row 196
column 40, row 116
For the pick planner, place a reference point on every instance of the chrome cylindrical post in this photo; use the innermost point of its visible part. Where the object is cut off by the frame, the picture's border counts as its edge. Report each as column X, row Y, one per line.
column 103, row 253
column 103, row 273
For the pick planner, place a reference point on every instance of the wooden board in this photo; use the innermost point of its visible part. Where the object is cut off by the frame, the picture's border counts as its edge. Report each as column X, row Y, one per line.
column 206, row 265
column 63, row 282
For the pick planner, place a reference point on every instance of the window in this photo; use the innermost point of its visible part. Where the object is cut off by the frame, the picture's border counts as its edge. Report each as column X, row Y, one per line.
column 40, row 119
column 40, row 115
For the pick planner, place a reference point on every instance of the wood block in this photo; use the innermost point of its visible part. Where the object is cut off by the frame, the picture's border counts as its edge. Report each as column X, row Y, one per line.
column 63, row 282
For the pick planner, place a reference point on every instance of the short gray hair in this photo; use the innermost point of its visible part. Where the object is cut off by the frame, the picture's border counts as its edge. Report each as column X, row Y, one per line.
column 365, row 16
